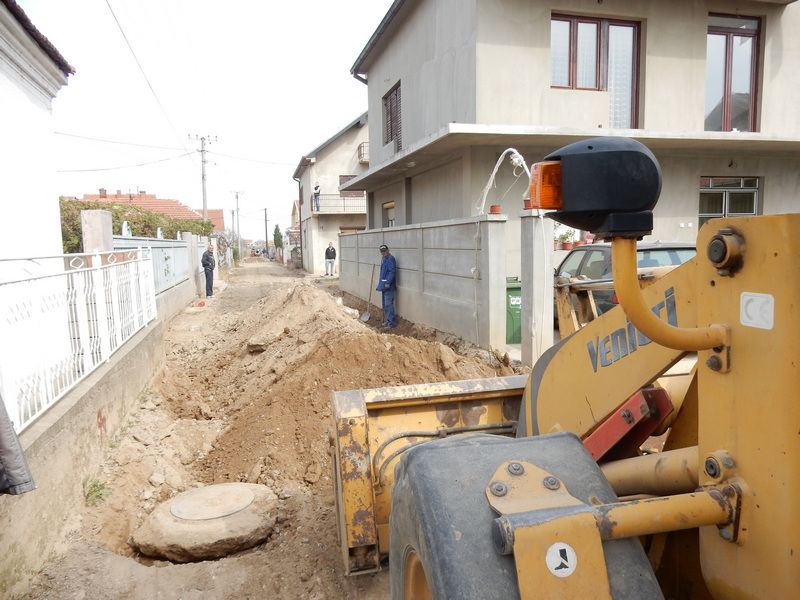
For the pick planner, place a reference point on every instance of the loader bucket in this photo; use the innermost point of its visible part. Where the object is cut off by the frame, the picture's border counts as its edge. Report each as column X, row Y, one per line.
column 372, row 430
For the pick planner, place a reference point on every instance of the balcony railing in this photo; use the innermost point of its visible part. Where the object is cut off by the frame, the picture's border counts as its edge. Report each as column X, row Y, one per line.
column 363, row 152
column 334, row 203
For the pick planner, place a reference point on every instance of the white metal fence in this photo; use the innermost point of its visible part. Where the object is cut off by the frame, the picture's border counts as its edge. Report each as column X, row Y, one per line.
column 170, row 258
column 58, row 327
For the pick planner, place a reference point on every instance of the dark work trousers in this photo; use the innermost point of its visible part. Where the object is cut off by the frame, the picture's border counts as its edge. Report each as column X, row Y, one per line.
column 209, row 283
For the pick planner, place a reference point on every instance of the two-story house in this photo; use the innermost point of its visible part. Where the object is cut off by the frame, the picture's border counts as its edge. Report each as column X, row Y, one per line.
column 706, row 84
column 342, row 157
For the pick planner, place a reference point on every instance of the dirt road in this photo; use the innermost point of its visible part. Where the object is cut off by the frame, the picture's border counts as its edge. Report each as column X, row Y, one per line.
column 243, row 396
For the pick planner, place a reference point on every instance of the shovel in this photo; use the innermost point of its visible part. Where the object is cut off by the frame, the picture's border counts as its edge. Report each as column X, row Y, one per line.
column 365, row 315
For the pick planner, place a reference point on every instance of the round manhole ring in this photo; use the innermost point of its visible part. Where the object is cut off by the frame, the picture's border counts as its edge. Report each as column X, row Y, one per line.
column 211, row 502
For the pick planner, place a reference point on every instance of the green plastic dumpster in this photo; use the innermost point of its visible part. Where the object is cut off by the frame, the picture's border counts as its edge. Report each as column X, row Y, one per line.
column 513, row 311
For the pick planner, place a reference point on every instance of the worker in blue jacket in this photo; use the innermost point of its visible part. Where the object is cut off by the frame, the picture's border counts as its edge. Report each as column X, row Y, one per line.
column 388, row 287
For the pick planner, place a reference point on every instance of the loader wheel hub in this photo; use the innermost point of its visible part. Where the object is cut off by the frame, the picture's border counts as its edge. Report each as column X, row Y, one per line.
column 416, row 582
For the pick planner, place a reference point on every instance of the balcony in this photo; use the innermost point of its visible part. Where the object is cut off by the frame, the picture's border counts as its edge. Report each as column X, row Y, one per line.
column 363, row 153
column 332, row 204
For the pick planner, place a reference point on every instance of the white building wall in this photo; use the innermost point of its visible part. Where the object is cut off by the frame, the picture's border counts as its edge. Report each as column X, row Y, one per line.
column 28, row 195
column 676, row 214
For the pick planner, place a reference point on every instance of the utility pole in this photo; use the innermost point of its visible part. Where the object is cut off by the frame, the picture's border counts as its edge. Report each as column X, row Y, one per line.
column 203, row 141
column 238, row 225
column 266, row 232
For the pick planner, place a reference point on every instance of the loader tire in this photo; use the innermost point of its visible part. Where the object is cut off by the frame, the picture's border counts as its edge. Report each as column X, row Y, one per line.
column 441, row 541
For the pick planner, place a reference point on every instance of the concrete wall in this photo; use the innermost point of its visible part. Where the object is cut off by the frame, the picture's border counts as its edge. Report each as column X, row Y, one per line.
column 437, row 264
column 68, row 443
column 432, row 55
column 438, row 194
column 513, row 63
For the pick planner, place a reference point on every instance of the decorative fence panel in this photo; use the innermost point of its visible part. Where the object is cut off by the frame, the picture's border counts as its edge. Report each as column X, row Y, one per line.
column 170, row 258
column 58, row 327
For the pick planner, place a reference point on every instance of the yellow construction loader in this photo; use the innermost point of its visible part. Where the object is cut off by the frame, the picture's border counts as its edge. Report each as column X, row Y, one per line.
column 537, row 487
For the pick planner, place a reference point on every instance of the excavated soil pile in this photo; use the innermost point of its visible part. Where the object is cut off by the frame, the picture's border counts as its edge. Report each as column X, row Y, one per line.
column 271, row 371
column 245, row 397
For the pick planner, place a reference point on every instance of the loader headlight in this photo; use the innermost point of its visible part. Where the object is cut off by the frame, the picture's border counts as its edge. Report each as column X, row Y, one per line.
column 606, row 185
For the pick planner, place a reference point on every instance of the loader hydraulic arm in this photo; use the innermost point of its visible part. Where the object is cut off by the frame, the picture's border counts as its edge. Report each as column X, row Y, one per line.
column 623, row 261
column 580, row 382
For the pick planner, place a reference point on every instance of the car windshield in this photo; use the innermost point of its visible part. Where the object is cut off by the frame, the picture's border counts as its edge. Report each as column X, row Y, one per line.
column 663, row 257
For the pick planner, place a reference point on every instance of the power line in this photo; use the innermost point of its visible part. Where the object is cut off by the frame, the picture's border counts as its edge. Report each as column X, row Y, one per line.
column 96, row 139
column 255, row 160
column 152, row 162
column 158, row 101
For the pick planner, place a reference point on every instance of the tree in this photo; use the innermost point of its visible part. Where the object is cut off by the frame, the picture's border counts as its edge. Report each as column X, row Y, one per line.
column 143, row 222
column 277, row 237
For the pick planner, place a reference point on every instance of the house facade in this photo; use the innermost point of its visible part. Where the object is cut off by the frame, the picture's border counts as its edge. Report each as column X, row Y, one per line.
column 32, row 71
column 706, row 84
column 343, row 157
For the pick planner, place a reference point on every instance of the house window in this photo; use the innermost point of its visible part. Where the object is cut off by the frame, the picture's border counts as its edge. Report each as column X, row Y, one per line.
column 597, row 54
column 728, row 197
column 388, row 214
column 731, row 59
column 392, row 117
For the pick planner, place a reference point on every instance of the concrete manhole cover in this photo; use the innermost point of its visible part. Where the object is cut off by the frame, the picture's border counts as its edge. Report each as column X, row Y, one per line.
column 212, row 502
column 208, row 522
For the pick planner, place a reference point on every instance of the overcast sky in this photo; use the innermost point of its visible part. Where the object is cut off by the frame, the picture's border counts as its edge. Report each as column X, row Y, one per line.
column 269, row 79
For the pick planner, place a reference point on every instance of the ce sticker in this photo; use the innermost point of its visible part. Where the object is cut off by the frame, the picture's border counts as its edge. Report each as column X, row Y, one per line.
column 757, row 310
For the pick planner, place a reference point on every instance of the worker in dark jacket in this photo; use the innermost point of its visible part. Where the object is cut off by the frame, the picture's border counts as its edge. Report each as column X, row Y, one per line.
column 330, row 259
column 388, row 287
column 15, row 476
column 208, row 263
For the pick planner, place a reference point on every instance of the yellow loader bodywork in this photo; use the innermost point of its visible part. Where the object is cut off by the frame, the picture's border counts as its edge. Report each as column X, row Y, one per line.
column 373, row 427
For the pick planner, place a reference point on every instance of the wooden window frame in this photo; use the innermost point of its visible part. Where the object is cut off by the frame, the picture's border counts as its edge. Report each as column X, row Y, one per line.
column 601, row 56
column 729, row 33
column 393, row 122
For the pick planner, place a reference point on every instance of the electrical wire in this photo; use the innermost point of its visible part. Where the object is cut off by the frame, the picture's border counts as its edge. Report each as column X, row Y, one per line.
column 518, row 162
column 255, row 160
column 106, row 141
column 147, row 79
column 151, row 162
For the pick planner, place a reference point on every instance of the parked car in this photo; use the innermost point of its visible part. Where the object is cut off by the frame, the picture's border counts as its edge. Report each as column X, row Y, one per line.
column 593, row 263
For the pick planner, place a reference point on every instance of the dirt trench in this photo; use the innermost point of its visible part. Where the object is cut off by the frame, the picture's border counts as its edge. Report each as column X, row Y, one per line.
column 244, row 395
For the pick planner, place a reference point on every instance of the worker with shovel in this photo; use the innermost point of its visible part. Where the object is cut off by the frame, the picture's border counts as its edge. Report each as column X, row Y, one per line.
column 386, row 285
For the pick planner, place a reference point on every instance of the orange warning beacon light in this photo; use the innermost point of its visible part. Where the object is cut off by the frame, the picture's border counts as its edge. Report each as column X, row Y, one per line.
column 546, row 185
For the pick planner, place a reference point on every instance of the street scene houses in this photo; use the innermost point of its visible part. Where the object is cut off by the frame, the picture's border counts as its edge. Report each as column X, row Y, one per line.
column 452, row 85
column 199, row 425
column 705, row 90
column 324, row 216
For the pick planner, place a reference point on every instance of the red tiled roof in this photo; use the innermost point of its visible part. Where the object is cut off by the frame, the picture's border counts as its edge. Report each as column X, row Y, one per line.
column 170, row 208
column 216, row 216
